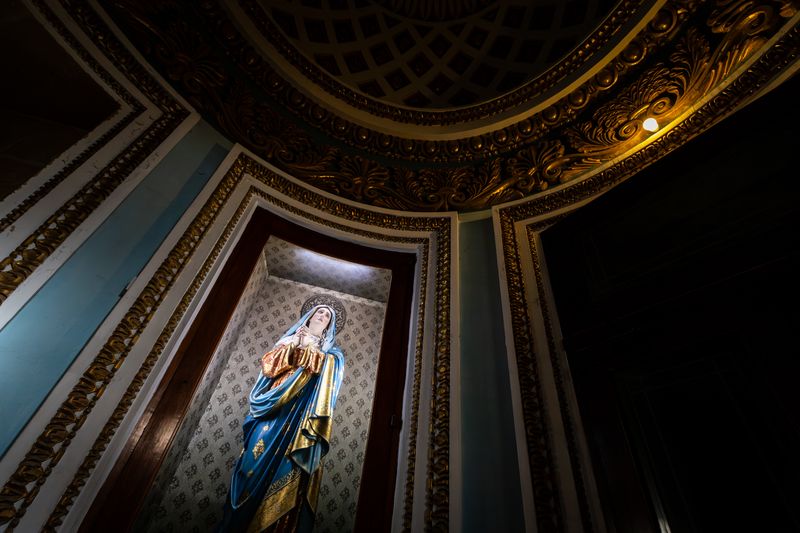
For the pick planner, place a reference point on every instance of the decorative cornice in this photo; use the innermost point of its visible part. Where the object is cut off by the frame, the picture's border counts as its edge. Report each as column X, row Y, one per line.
column 782, row 54
column 688, row 50
column 162, row 28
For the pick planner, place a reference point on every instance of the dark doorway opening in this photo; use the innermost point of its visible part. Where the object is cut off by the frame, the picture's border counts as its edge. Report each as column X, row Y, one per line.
column 677, row 296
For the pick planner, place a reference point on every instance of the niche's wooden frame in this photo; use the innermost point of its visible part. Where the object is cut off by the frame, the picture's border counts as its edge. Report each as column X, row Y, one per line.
column 121, row 498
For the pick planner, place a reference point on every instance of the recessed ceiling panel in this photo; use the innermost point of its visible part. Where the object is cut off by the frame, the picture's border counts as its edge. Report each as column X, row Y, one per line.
column 289, row 261
column 431, row 55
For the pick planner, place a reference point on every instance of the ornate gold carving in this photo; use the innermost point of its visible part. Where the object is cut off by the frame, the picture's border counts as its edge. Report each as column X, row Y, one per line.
column 415, row 390
column 687, row 50
column 437, row 503
column 32, row 252
column 546, row 494
column 535, row 168
column 95, row 453
column 567, row 417
column 12, row 496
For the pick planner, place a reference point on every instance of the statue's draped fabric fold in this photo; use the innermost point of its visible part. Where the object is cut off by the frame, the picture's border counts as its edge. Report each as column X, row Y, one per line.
column 286, row 434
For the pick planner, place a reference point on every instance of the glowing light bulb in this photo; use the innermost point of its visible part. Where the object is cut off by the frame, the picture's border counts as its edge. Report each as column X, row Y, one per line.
column 650, row 125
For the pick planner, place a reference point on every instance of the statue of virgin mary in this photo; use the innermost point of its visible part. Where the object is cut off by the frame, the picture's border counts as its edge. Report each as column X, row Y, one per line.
column 287, row 430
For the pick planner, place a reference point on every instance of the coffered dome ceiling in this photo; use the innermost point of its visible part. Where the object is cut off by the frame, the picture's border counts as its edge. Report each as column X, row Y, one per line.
column 430, row 56
column 463, row 104
column 435, row 69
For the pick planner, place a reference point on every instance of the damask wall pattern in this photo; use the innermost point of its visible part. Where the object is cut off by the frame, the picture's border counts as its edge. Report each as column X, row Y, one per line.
column 201, row 399
column 194, row 481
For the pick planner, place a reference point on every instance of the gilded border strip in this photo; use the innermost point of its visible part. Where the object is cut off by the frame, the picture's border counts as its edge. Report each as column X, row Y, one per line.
column 109, row 429
column 567, row 416
column 36, row 248
column 784, row 53
column 122, row 123
column 408, row 507
column 437, row 502
column 546, row 495
column 48, row 449
column 51, row 444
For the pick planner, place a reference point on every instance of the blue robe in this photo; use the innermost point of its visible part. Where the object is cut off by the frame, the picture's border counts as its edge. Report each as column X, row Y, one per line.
column 286, row 435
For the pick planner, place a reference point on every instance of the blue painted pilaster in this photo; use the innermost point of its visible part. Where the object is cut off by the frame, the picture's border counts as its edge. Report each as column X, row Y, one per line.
column 43, row 339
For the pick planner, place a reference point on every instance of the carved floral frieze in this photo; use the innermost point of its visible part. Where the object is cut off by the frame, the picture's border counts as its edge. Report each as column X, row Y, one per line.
column 688, row 49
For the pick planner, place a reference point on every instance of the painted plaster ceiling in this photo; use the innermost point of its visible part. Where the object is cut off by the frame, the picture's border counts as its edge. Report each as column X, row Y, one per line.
column 464, row 104
column 289, row 261
column 427, row 55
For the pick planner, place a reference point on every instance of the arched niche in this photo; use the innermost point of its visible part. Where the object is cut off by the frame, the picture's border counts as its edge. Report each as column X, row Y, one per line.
column 190, row 292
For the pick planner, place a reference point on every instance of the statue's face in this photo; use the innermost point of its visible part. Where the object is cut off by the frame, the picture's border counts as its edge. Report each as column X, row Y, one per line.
column 320, row 319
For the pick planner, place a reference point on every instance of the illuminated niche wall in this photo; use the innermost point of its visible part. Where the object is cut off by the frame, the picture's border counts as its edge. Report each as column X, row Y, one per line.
column 192, row 484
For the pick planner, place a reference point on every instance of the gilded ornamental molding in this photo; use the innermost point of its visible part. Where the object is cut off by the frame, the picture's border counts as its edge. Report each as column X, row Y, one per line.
column 690, row 48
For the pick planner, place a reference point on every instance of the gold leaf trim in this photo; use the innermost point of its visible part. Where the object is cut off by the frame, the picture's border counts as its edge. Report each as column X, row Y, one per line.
column 279, row 500
column 23, row 486
column 546, row 496
column 562, row 144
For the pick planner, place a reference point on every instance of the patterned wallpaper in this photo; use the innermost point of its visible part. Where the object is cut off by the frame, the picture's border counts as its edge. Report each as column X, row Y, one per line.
column 288, row 261
column 194, row 479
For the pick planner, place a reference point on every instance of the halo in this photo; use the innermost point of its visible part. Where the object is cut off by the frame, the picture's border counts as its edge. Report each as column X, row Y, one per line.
column 331, row 301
